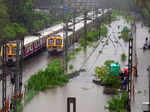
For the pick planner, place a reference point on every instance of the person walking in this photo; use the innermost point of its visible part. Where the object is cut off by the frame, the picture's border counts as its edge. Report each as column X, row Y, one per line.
column 146, row 40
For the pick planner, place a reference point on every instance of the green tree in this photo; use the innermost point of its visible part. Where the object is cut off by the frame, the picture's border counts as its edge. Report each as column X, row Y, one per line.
column 13, row 30
column 4, row 16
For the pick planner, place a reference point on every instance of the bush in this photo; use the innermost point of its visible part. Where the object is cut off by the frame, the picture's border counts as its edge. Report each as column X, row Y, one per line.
column 104, row 74
column 104, row 31
column 112, row 81
column 70, row 66
column 78, row 49
column 118, row 104
column 100, row 72
column 125, row 35
column 123, row 57
column 91, row 37
column 52, row 75
column 100, row 51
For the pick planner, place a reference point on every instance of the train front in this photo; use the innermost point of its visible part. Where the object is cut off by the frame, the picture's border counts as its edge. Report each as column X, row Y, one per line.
column 10, row 53
column 55, row 44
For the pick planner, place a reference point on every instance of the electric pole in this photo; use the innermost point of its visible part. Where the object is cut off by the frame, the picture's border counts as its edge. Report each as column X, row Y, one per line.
column 85, row 30
column 130, row 74
column 4, row 80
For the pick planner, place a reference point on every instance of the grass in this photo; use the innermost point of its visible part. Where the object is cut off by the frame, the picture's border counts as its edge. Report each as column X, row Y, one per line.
column 78, row 49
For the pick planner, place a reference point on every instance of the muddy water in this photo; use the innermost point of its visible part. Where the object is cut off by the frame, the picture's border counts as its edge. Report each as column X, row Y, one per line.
column 90, row 97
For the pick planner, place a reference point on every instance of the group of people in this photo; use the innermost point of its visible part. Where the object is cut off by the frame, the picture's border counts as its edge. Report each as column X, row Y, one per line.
column 124, row 78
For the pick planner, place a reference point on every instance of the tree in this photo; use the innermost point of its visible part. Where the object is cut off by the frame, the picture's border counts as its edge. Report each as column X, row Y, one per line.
column 13, row 30
column 4, row 17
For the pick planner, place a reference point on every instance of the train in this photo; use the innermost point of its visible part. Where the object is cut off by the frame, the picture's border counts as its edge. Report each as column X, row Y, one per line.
column 51, row 38
column 53, row 46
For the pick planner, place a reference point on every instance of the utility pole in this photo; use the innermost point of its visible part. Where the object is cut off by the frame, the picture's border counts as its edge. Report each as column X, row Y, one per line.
column 74, row 22
column 85, row 30
column 148, row 69
column 130, row 74
column 4, row 80
column 65, row 35
column 66, row 46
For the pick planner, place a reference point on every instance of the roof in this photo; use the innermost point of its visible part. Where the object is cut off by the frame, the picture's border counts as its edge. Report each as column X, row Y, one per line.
column 30, row 39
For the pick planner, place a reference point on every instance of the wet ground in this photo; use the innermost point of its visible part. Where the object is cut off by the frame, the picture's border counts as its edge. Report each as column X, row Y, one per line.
column 90, row 97
column 141, row 83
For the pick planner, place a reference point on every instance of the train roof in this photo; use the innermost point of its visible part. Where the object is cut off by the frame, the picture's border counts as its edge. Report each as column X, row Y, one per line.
column 29, row 39
column 78, row 26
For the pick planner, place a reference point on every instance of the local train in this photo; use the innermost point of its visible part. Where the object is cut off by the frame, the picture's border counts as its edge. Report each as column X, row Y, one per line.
column 51, row 38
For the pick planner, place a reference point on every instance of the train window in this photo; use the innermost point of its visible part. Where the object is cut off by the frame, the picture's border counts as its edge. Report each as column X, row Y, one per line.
column 35, row 44
column 31, row 47
column 28, row 49
column 58, row 41
column 50, row 42
column 13, row 49
column 7, row 49
column 40, row 41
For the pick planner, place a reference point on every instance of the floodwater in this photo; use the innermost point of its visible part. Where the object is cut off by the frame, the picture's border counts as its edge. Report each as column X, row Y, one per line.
column 89, row 97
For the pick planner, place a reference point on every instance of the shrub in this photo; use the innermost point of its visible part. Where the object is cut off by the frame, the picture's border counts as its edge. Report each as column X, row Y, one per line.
column 104, row 31
column 125, row 35
column 112, row 81
column 100, row 72
column 104, row 74
column 91, row 37
column 117, row 103
column 123, row 57
column 78, row 49
column 100, row 51
column 52, row 75
column 70, row 66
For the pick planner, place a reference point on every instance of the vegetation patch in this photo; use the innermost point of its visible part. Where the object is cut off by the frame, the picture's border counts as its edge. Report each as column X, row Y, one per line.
column 100, row 51
column 118, row 103
column 123, row 57
column 129, row 19
column 52, row 75
column 28, row 97
column 78, row 49
column 73, row 53
column 104, row 30
column 114, row 15
column 126, row 34
column 91, row 37
column 70, row 66
column 105, row 75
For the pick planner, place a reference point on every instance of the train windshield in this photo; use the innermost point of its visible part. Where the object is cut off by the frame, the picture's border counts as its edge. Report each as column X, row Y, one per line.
column 51, row 42
column 13, row 49
column 58, row 41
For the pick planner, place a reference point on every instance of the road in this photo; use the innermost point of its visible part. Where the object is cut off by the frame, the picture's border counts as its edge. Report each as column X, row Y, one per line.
column 141, row 83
